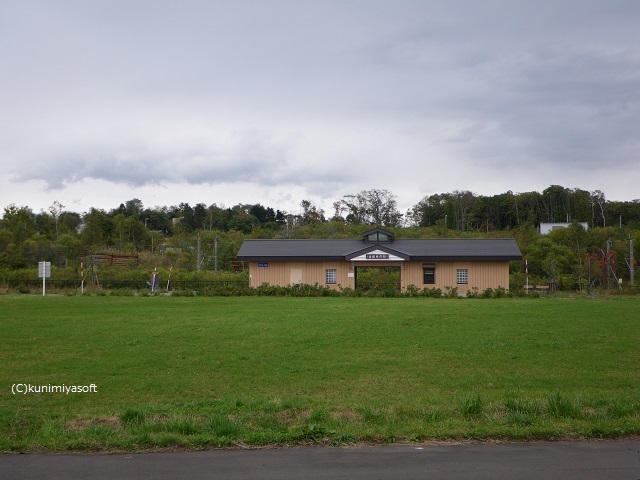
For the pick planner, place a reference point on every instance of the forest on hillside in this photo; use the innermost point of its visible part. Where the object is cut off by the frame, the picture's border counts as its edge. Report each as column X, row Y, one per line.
column 169, row 235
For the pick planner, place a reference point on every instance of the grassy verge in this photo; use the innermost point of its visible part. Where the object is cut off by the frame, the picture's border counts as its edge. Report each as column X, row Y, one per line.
column 215, row 372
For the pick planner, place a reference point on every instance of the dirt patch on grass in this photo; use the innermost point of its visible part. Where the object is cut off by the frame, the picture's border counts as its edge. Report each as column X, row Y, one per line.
column 78, row 424
column 348, row 415
column 290, row 415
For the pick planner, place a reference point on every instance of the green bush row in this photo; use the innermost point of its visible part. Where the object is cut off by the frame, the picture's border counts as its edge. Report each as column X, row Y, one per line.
column 238, row 289
column 306, row 290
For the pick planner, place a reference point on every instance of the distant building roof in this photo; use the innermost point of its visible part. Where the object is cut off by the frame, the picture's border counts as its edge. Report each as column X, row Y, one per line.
column 547, row 227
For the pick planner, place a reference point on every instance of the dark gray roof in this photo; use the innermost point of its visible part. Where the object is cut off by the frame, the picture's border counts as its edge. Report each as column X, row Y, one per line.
column 408, row 248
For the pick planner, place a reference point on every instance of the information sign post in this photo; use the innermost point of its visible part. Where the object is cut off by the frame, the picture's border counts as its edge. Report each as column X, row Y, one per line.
column 44, row 271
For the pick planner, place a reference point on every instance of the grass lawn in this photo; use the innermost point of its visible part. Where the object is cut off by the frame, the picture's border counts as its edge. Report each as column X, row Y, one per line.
column 222, row 371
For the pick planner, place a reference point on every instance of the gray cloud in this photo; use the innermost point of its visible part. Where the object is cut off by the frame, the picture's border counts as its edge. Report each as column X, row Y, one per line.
column 332, row 97
column 253, row 158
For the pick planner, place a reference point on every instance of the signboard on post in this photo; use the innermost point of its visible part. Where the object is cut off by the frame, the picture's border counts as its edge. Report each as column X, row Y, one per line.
column 44, row 272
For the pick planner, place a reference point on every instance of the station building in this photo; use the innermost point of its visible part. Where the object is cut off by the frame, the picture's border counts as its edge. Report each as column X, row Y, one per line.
column 462, row 263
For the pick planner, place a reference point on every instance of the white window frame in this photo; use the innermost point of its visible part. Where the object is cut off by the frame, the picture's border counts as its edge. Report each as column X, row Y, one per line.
column 331, row 276
column 462, row 276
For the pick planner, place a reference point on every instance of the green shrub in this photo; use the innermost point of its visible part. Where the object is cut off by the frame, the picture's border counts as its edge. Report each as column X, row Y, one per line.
column 349, row 292
column 452, row 292
column 222, row 426
column 223, row 289
column 473, row 293
column 432, row 292
column 472, row 406
column 561, row 407
column 183, row 426
column 499, row 292
column 269, row 290
column 132, row 417
column 305, row 290
column 121, row 292
column 521, row 407
column 313, row 432
column 412, row 291
column 521, row 412
column 487, row 293
column 183, row 293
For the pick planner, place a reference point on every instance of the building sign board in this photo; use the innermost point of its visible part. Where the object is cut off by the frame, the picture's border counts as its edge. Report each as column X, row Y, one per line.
column 377, row 256
column 263, row 264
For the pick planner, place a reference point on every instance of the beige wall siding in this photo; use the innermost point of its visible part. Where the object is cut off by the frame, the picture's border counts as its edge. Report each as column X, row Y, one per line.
column 279, row 273
column 482, row 275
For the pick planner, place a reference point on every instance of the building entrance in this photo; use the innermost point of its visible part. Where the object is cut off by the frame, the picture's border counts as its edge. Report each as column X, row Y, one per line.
column 377, row 278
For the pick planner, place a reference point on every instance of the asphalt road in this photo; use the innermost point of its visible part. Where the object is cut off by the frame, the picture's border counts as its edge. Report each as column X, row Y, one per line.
column 610, row 460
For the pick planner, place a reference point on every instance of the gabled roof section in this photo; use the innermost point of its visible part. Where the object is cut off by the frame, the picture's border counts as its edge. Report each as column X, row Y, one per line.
column 408, row 249
column 377, row 235
column 377, row 252
column 451, row 249
column 292, row 250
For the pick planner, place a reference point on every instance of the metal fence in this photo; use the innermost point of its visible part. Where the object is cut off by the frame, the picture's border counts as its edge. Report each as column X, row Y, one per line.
column 378, row 286
column 128, row 284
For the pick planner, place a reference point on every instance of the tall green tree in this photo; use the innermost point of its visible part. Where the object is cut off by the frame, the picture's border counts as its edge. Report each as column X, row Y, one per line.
column 19, row 221
column 69, row 222
column 199, row 216
column 598, row 208
column 310, row 213
column 98, row 229
column 56, row 210
column 372, row 207
column 428, row 211
column 134, row 208
column 462, row 204
column 556, row 204
column 216, row 218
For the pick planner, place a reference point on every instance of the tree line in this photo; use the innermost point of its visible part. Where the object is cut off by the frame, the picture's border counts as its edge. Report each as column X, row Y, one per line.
column 27, row 237
column 467, row 211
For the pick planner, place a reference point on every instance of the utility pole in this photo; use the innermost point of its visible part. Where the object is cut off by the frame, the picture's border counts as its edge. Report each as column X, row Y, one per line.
column 631, row 262
column 199, row 255
column 215, row 253
column 608, row 264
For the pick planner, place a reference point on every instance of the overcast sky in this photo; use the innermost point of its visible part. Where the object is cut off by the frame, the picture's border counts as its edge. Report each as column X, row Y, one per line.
column 276, row 101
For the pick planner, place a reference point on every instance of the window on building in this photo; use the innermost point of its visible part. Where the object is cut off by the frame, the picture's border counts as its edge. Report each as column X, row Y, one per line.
column 331, row 276
column 378, row 237
column 428, row 274
column 462, row 275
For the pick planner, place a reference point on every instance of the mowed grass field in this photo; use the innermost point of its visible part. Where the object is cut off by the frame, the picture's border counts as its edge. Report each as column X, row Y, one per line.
column 223, row 372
